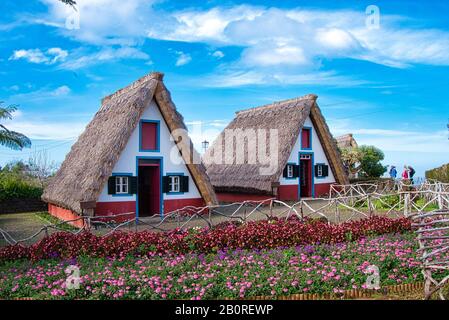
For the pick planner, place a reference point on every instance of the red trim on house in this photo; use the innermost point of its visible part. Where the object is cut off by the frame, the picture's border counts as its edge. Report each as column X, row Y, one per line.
column 65, row 215
column 322, row 189
column 288, row 192
column 173, row 204
column 239, row 197
column 114, row 207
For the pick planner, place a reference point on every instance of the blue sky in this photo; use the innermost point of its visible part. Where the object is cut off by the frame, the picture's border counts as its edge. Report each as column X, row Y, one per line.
column 388, row 85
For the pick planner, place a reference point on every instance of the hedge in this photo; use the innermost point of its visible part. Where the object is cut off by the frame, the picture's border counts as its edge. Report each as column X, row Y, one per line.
column 12, row 187
column 441, row 174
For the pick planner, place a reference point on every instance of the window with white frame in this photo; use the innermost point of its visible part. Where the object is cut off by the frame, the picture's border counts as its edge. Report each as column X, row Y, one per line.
column 174, row 184
column 121, row 185
column 319, row 171
column 289, row 171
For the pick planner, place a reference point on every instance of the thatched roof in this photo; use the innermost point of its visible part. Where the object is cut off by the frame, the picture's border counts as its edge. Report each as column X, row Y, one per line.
column 90, row 162
column 288, row 117
column 346, row 141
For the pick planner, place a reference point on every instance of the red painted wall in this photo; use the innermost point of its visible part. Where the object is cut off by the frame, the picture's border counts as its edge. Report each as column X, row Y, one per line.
column 113, row 208
column 65, row 215
column 173, row 204
column 322, row 189
column 288, row 192
column 240, row 197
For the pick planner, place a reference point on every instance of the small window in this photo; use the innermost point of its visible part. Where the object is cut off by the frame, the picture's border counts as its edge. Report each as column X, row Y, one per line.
column 121, row 185
column 319, row 171
column 149, row 136
column 306, row 138
column 174, row 184
column 289, row 171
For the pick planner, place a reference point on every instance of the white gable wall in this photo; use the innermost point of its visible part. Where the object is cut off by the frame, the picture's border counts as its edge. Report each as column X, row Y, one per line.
column 318, row 157
column 127, row 160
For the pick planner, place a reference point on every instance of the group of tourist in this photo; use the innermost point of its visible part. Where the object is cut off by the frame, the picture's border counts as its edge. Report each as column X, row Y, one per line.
column 407, row 174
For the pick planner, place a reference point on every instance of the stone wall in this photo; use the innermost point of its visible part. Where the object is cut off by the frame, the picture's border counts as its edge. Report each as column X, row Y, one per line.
column 22, row 205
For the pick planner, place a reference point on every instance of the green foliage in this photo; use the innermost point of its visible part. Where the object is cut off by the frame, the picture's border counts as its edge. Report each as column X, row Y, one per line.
column 440, row 174
column 9, row 138
column 370, row 162
column 48, row 218
column 15, row 182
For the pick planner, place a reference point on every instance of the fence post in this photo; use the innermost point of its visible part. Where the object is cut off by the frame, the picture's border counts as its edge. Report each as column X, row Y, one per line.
column 337, row 213
column 406, row 203
column 440, row 200
column 370, row 208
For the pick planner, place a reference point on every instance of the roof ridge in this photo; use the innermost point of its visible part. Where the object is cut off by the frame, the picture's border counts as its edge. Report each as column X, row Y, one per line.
column 154, row 75
column 309, row 96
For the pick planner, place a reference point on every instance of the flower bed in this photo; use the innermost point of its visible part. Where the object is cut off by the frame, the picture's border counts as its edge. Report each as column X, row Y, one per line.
column 239, row 273
column 263, row 234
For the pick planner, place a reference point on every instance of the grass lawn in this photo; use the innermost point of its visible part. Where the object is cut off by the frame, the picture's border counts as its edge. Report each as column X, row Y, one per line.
column 21, row 225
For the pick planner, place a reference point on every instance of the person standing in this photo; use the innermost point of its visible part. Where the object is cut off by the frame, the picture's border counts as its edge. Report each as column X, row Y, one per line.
column 405, row 175
column 411, row 173
column 393, row 172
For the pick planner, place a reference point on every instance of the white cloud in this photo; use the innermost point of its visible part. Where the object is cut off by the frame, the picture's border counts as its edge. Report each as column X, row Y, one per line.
column 82, row 59
column 58, row 54
column 293, row 41
column 50, row 56
column 315, row 33
column 274, row 54
column 60, row 91
column 200, row 26
column 44, row 130
column 218, row 54
column 102, row 22
column 267, row 77
column 42, row 94
column 338, row 39
column 393, row 140
column 183, row 58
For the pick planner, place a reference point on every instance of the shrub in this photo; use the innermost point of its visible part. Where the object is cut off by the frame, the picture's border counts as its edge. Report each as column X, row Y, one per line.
column 440, row 174
column 12, row 187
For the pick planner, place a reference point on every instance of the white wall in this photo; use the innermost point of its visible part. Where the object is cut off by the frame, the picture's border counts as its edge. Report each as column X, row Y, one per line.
column 127, row 160
column 318, row 157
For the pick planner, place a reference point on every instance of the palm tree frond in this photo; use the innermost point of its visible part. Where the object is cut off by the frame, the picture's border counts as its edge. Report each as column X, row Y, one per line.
column 69, row 2
column 14, row 140
column 6, row 112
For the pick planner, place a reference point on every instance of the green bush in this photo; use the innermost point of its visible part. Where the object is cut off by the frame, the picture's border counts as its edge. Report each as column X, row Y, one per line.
column 13, row 187
column 440, row 174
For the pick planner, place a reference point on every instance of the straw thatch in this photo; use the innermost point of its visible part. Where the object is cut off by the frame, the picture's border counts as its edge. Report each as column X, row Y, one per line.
column 288, row 118
column 90, row 162
column 346, row 141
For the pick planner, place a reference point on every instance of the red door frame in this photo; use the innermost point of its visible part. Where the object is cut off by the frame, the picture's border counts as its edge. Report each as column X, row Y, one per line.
column 158, row 164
